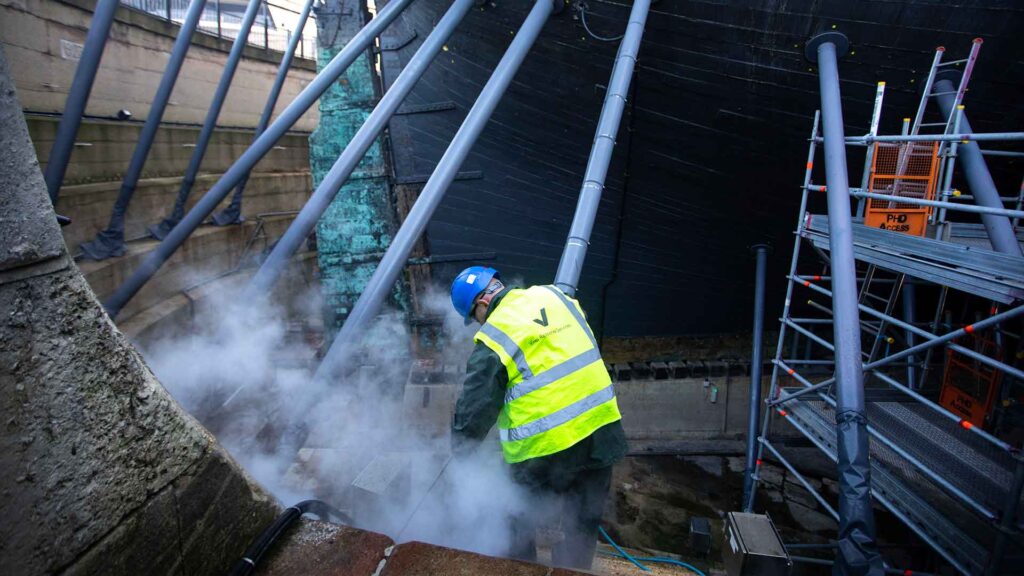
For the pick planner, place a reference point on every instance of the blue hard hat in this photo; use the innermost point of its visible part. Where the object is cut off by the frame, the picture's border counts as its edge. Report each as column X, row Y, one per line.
column 467, row 285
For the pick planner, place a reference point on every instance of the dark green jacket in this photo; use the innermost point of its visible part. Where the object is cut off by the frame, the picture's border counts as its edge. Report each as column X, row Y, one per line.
column 483, row 395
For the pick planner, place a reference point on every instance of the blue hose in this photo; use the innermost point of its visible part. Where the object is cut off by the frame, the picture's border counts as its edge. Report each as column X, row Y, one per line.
column 623, row 554
column 676, row 562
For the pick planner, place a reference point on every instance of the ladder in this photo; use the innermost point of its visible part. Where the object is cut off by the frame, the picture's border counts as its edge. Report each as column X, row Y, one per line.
column 949, row 126
column 927, row 93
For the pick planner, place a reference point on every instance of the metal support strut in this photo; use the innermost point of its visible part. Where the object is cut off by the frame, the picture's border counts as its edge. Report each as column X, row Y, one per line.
column 384, row 277
column 762, row 251
column 110, row 242
column 259, row 148
column 1000, row 232
column 575, row 252
column 161, row 229
column 342, row 169
column 78, row 95
column 233, row 213
column 856, row 552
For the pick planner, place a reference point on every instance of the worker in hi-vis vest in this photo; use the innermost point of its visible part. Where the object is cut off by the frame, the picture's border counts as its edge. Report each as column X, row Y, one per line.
column 536, row 370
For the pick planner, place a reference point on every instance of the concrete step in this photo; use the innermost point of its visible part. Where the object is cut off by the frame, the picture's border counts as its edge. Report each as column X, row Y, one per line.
column 89, row 205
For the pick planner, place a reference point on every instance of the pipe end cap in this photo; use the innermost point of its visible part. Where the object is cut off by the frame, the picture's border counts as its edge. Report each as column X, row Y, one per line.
column 838, row 38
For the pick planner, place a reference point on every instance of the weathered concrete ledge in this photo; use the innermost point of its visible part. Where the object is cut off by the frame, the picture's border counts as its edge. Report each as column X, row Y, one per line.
column 176, row 315
column 210, row 252
column 89, row 205
column 105, row 149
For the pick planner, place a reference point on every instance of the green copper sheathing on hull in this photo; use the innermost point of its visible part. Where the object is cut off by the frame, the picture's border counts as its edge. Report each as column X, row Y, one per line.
column 357, row 228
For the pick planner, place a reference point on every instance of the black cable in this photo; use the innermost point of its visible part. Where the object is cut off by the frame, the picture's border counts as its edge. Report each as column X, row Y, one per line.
column 581, row 7
column 254, row 553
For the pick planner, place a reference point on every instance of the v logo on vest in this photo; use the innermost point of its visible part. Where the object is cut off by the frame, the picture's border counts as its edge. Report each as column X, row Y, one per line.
column 543, row 320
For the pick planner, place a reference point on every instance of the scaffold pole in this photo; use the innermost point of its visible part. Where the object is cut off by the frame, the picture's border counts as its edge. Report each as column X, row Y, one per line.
column 812, row 148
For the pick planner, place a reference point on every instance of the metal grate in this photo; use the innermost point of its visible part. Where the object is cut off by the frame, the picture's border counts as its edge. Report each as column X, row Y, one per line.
column 955, row 533
column 976, row 467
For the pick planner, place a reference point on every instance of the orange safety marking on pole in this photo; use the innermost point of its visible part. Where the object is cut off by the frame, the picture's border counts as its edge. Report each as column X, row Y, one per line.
column 810, row 165
column 806, row 283
column 757, row 462
column 816, row 277
column 782, row 413
column 966, row 424
column 790, row 371
column 969, row 328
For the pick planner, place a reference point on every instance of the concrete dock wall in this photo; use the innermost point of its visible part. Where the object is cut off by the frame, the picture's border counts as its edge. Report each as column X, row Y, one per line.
column 41, row 36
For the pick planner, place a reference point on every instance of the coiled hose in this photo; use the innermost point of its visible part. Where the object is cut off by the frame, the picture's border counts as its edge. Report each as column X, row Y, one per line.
column 254, row 553
column 636, row 561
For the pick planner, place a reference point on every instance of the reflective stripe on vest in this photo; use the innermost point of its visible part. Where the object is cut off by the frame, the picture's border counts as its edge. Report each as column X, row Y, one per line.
column 559, row 391
column 559, row 417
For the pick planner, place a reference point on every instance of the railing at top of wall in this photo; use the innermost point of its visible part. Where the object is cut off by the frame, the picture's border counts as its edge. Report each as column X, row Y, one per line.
column 272, row 30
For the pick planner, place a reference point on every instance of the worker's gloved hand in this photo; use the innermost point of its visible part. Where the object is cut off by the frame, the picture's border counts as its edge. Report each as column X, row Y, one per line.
column 463, row 446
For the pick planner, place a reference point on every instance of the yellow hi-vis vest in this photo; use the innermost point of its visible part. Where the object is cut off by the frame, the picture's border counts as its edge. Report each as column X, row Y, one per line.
column 559, row 391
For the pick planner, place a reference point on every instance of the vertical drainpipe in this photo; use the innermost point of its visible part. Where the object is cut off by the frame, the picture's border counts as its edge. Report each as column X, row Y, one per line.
column 233, row 213
column 1000, row 232
column 161, row 229
column 569, row 267
column 110, row 242
column 384, row 277
column 78, row 96
column 856, row 552
column 761, row 250
column 277, row 129
column 354, row 151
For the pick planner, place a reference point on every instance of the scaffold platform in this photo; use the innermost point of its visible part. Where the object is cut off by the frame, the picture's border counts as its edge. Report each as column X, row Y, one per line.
column 960, row 263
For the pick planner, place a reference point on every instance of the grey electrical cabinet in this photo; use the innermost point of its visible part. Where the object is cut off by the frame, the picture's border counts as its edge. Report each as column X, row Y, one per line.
column 753, row 547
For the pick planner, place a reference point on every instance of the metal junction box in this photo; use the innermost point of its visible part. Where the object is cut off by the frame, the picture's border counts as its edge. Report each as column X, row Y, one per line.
column 753, row 546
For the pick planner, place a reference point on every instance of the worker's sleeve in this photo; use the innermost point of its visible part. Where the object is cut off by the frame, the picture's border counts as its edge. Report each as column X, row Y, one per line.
column 483, row 394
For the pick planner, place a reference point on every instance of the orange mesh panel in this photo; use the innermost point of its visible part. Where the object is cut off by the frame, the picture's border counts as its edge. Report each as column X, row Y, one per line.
column 969, row 388
column 902, row 170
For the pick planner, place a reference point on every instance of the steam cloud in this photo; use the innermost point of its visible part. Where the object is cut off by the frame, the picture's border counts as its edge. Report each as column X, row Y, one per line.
column 368, row 445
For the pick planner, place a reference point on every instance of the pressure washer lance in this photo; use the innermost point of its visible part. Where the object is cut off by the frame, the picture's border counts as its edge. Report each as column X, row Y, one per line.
column 424, row 498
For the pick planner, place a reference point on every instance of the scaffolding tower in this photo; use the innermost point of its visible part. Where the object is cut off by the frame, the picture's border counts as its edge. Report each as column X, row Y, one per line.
column 936, row 459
